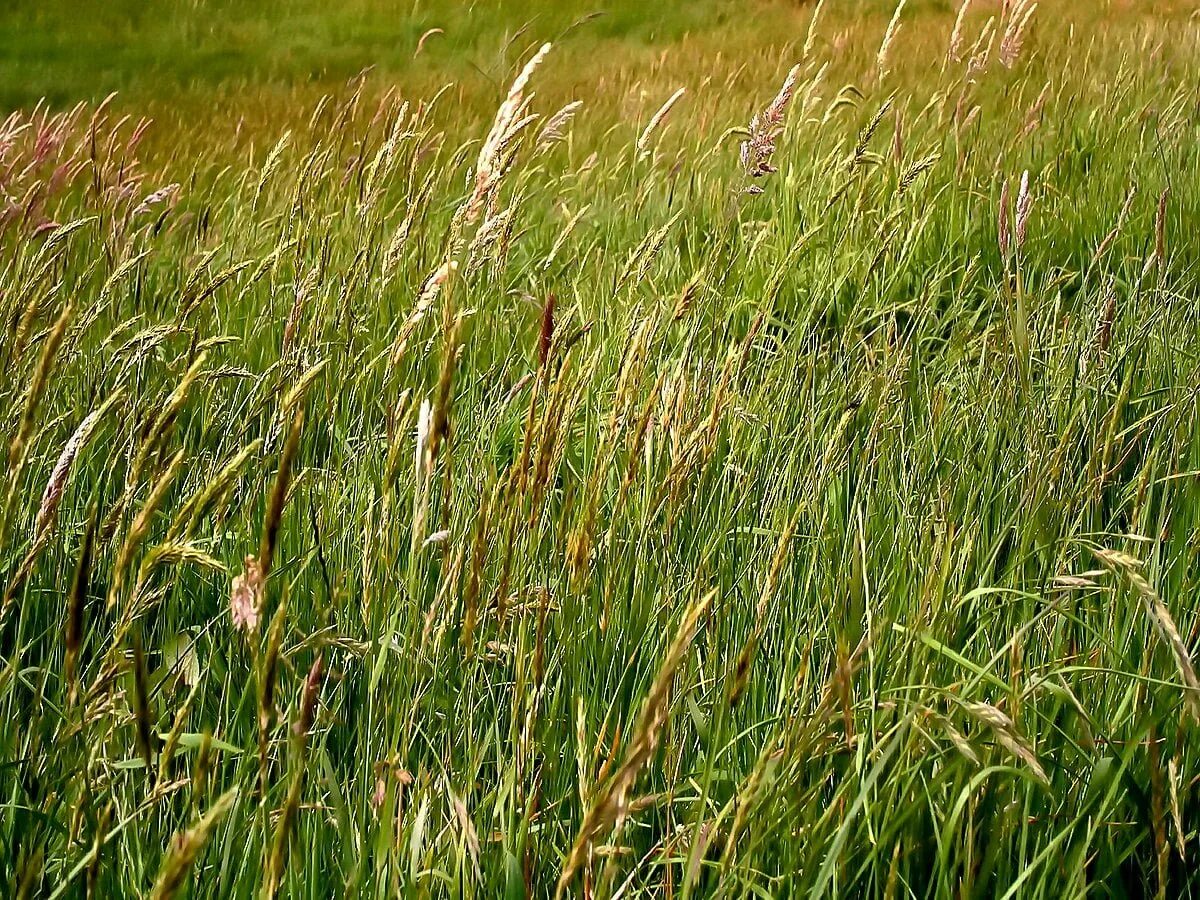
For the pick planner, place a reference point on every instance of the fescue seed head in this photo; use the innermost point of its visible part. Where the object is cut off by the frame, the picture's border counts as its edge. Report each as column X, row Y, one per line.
column 913, row 172
column 868, row 131
column 1005, row 733
column 1033, row 117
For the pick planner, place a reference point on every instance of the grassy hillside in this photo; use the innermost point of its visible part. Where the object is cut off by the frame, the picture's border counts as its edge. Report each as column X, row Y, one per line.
column 727, row 451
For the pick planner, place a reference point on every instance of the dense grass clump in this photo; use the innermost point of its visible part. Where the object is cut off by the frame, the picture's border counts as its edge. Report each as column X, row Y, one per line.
column 727, row 457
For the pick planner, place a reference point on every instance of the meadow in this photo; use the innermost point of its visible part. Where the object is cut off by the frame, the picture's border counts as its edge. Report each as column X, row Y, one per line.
column 600, row 450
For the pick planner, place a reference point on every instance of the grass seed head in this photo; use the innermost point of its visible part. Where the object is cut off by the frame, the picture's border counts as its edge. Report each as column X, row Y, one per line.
column 186, row 846
column 889, row 36
column 643, row 141
column 245, row 599
column 766, row 128
column 954, row 50
column 1015, row 32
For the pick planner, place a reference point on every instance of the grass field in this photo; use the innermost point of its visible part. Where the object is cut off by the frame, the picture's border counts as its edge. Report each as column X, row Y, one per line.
column 692, row 450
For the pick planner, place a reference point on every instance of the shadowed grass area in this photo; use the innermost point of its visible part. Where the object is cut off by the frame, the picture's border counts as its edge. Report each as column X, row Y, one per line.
column 500, row 473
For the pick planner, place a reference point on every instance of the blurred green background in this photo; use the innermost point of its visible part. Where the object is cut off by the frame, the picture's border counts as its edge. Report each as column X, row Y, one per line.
column 67, row 50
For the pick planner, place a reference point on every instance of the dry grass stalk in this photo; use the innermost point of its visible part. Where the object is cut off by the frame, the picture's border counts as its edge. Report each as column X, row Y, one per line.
column 143, row 724
column 489, row 242
column 643, row 141
column 1033, row 116
column 429, row 294
column 979, row 55
column 462, row 818
column 57, row 483
column 956, row 737
column 47, row 513
column 33, row 396
column 425, row 36
column 1111, row 237
column 279, row 493
column 811, row 36
column 741, row 673
column 186, row 846
column 1160, row 228
column 889, row 36
column 610, row 802
column 1005, row 733
column 75, row 606
column 141, row 526
column 954, row 51
column 268, row 674
column 1024, row 207
column 1160, row 617
column 1102, row 334
column 162, row 195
